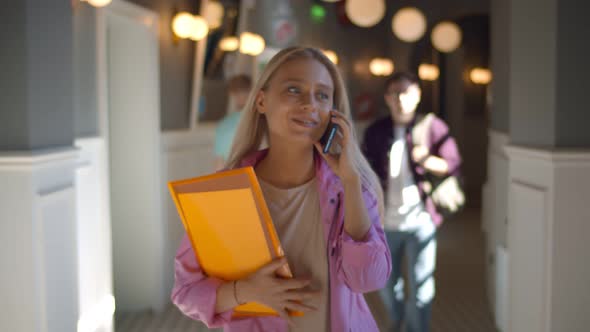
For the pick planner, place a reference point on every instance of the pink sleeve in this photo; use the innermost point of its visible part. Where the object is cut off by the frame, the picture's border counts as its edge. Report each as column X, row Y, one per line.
column 366, row 265
column 444, row 144
column 194, row 293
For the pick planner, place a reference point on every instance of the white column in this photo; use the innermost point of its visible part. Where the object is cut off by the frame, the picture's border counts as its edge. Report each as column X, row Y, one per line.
column 548, row 229
column 95, row 259
column 38, row 241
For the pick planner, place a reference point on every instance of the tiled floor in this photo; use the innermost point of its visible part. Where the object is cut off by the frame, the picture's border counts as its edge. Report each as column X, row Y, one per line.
column 460, row 304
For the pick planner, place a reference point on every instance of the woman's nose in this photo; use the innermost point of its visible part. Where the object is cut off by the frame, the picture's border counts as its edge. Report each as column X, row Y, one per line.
column 307, row 101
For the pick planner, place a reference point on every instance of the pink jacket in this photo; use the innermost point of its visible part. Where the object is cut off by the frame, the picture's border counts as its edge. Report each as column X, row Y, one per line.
column 355, row 268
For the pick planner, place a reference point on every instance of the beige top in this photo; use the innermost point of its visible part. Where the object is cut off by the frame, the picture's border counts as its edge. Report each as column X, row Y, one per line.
column 404, row 210
column 296, row 215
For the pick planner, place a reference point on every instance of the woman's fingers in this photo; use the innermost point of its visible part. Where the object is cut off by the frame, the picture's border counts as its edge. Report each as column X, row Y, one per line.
column 295, row 306
column 331, row 160
column 288, row 284
column 344, row 129
column 301, row 295
column 271, row 267
column 339, row 115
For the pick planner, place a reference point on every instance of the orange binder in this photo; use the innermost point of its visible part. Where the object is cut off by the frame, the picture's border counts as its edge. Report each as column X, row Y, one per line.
column 230, row 228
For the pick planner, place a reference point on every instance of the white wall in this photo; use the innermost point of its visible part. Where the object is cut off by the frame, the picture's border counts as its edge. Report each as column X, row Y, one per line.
column 185, row 154
column 494, row 216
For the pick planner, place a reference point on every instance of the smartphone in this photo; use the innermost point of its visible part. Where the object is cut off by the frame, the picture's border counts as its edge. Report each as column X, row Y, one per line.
column 328, row 136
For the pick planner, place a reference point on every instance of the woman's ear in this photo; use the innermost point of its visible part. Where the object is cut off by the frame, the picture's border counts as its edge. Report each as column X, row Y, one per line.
column 260, row 103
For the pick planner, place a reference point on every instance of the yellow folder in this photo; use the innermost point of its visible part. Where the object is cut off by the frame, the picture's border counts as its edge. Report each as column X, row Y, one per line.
column 230, row 228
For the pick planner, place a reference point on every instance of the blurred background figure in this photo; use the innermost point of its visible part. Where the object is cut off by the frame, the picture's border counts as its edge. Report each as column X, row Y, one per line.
column 402, row 161
column 238, row 89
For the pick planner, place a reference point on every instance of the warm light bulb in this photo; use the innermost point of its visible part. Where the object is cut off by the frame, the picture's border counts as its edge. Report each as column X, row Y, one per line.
column 446, row 36
column 183, row 24
column 365, row 13
column 481, row 76
column 381, row 67
column 251, row 43
column 331, row 55
column 428, row 72
column 408, row 24
column 214, row 14
column 200, row 28
column 229, row 44
column 99, row 3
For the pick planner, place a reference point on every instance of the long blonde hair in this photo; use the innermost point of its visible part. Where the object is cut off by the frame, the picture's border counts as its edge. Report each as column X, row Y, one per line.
column 253, row 129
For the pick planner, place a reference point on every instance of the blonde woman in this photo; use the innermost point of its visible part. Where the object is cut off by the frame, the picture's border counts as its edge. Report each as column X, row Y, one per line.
column 327, row 209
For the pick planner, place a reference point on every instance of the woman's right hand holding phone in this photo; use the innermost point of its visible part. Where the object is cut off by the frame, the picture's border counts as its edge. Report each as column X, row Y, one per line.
column 280, row 294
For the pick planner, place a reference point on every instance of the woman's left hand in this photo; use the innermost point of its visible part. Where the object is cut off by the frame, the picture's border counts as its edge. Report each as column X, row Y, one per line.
column 343, row 164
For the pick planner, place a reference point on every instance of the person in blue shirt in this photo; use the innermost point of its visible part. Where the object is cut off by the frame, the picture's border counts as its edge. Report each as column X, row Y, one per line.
column 238, row 89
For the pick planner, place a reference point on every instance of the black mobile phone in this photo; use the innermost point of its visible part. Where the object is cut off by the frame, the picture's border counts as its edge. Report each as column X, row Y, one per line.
column 328, row 136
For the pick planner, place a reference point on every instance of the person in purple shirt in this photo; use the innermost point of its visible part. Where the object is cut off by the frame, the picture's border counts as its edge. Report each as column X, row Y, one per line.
column 327, row 209
column 411, row 217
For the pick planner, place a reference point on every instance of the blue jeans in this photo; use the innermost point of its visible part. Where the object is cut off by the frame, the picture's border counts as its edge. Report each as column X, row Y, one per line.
column 419, row 247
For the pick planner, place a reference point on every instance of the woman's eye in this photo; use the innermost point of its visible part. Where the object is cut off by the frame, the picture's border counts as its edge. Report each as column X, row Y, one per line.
column 323, row 96
column 293, row 89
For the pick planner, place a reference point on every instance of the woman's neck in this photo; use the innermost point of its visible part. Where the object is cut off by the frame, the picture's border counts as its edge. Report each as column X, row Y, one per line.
column 286, row 166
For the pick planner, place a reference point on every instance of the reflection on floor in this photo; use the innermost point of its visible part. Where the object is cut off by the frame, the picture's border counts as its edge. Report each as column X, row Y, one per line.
column 460, row 304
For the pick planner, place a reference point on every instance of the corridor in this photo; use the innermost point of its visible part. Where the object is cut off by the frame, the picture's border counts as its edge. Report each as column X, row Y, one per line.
column 105, row 102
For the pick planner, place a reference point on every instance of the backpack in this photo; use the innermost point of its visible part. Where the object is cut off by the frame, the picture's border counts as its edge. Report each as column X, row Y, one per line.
column 446, row 192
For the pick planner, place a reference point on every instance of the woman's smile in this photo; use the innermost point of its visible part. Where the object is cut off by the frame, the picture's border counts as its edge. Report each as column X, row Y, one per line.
column 305, row 122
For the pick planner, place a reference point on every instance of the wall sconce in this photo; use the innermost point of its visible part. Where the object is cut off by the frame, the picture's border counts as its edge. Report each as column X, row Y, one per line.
column 331, row 55
column 251, row 43
column 446, row 36
column 408, row 24
column 365, row 13
column 98, row 3
column 381, row 67
column 200, row 30
column 428, row 72
column 214, row 14
column 185, row 25
column 229, row 43
column 481, row 76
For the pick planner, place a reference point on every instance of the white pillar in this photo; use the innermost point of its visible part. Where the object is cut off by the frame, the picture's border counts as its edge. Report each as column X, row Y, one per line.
column 38, row 241
column 548, row 228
